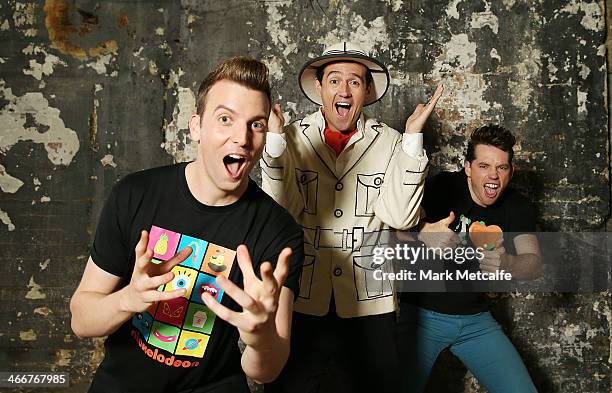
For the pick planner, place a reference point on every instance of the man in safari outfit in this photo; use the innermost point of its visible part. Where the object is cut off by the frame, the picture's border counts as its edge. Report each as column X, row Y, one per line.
column 347, row 179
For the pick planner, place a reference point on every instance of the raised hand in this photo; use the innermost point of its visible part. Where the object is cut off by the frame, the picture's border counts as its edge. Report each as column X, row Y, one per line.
column 493, row 259
column 259, row 298
column 438, row 234
column 276, row 121
column 417, row 120
column 142, row 291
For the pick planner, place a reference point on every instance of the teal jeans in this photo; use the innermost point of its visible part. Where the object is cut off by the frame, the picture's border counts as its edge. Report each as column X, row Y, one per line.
column 477, row 340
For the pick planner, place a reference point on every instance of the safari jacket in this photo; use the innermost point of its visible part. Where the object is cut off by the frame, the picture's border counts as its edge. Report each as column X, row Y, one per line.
column 345, row 205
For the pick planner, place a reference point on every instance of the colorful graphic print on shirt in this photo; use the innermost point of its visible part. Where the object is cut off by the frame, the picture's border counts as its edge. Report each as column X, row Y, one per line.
column 480, row 234
column 182, row 326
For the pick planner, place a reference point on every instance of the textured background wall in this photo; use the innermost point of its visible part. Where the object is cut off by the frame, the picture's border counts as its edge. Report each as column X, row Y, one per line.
column 93, row 90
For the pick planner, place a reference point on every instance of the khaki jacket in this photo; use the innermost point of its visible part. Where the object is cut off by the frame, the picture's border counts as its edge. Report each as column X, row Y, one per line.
column 345, row 205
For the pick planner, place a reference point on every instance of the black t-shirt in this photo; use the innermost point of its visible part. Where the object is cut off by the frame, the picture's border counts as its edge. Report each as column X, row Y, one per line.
column 180, row 345
column 448, row 191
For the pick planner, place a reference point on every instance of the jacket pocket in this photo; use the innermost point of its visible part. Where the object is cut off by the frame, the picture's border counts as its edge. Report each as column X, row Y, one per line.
column 307, row 276
column 371, row 285
column 308, row 184
column 368, row 190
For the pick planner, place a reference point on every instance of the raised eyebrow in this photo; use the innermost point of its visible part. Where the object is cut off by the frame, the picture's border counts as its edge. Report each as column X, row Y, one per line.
column 351, row 74
column 224, row 107
column 233, row 112
column 261, row 118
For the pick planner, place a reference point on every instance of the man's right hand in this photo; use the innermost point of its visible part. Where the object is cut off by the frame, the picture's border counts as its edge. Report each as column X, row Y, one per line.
column 438, row 234
column 276, row 121
column 142, row 291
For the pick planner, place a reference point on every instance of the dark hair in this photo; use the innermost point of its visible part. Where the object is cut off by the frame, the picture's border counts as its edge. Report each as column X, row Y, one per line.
column 321, row 71
column 245, row 71
column 493, row 135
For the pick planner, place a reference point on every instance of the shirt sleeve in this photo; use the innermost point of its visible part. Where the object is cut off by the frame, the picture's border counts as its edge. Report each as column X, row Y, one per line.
column 296, row 261
column 109, row 250
column 287, row 234
column 435, row 198
column 412, row 144
column 275, row 144
column 523, row 216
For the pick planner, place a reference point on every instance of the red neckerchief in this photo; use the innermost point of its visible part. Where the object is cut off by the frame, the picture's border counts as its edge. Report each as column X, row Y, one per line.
column 336, row 139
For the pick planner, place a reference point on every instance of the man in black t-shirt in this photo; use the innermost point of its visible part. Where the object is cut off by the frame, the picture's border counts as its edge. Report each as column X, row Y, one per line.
column 457, row 204
column 190, row 257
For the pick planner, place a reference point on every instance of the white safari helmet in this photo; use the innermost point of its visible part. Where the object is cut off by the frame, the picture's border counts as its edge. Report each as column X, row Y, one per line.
column 345, row 51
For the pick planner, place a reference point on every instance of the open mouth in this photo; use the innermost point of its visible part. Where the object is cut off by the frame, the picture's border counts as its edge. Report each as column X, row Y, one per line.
column 491, row 189
column 342, row 109
column 234, row 165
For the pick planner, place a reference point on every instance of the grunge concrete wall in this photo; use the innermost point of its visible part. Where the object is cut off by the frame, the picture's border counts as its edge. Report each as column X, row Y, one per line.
column 93, row 90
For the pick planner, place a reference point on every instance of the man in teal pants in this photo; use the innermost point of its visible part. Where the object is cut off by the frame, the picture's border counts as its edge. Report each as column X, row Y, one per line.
column 430, row 322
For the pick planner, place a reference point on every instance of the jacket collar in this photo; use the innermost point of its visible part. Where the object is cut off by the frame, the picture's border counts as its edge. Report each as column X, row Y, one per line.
column 313, row 128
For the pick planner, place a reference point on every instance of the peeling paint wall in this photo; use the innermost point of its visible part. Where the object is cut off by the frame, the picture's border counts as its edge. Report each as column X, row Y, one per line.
column 91, row 91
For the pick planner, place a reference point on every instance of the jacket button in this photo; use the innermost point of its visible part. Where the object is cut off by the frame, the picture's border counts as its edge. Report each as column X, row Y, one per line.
column 338, row 213
column 337, row 272
column 378, row 181
column 339, row 186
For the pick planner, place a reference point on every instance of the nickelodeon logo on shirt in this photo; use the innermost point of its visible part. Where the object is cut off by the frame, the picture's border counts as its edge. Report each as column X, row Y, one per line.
column 182, row 326
column 160, row 357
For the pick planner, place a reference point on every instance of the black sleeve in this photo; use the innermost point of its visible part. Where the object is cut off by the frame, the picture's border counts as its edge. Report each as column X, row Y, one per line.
column 435, row 197
column 287, row 234
column 523, row 216
column 109, row 250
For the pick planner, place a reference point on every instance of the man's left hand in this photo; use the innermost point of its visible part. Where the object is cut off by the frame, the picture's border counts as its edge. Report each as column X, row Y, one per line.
column 493, row 259
column 417, row 120
column 259, row 298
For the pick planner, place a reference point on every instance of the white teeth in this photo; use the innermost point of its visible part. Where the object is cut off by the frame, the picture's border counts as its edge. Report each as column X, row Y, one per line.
column 235, row 156
column 343, row 104
column 493, row 186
